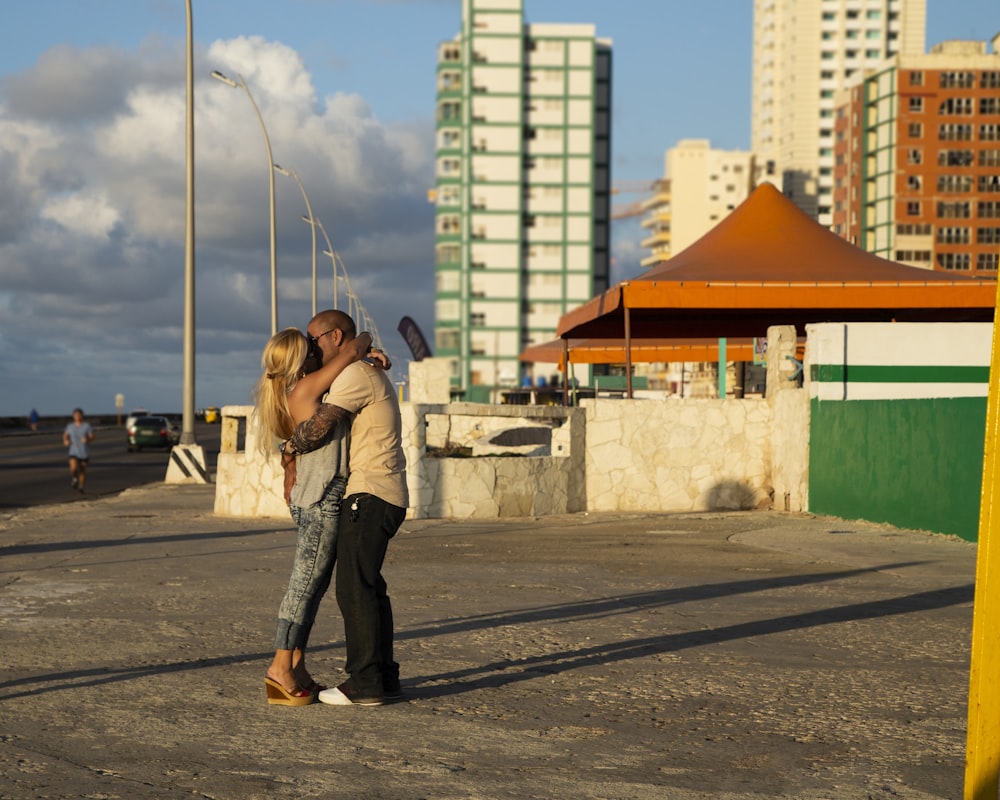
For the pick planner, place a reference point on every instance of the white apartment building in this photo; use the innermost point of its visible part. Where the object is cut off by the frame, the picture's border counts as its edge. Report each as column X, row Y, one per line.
column 701, row 185
column 804, row 52
column 522, row 188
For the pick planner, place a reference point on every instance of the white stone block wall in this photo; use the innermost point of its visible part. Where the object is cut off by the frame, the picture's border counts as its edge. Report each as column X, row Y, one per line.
column 790, row 420
column 492, row 486
column 677, row 455
column 247, row 483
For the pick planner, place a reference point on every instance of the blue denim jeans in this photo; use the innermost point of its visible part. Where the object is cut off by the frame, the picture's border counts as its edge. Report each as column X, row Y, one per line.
column 365, row 530
column 312, row 569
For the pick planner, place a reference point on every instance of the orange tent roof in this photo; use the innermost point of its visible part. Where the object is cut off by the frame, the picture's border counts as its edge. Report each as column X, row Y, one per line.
column 768, row 263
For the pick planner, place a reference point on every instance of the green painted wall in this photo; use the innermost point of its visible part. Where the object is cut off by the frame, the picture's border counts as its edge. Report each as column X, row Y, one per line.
column 911, row 463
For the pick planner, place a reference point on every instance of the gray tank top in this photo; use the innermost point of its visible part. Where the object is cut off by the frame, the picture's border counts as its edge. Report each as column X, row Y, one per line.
column 315, row 471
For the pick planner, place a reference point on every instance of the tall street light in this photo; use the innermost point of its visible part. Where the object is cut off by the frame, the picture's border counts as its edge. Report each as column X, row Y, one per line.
column 187, row 459
column 242, row 84
column 333, row 260
column 187, row 418
column 291, row 173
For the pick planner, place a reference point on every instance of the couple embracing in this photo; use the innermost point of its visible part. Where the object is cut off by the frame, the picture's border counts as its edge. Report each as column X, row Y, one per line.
column 327, row 398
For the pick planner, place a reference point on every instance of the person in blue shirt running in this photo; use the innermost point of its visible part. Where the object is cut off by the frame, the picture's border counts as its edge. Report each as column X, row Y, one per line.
column 77, row 436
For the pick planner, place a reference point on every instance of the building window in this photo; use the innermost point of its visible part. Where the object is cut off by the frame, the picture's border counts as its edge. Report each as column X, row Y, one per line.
column 989, row 158
column 989, row 80
column 916, row 130
column 873, row 53
column 954, row 132
column 989, row 133
column 987, row 261
column 448, row 224
column 914, row 156
column 913, row 229
column 957, row 80
column 953, row 261
column 913, row 208
column 914, row 183
column 917, row 105
column 948, row 235
column 956, row 106
column 955, row 210
column 988, row 209
column 987, row 235
column 913, row 255
column 955, row 158
column 956, row 183
column 449, row 111
column 916, row 78
column 447, row 254
column 451, row 166
column 989, row 183
column 477, row 319
column 989, row 105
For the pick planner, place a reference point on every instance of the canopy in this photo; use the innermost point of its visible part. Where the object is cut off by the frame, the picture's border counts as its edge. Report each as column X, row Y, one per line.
column 643, row 351
column 768, row 263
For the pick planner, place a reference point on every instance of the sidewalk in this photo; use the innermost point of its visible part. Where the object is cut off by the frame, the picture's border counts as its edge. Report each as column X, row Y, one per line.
column 719, row 655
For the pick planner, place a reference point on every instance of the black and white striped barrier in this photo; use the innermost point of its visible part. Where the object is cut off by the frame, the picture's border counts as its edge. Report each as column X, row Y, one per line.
column 187, row 465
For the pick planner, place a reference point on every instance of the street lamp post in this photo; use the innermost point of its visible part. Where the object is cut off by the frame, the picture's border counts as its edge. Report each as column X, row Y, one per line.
column 187, row 410
column 333, row 260
column 187, row 459
column 291, row 173
column 242, row 84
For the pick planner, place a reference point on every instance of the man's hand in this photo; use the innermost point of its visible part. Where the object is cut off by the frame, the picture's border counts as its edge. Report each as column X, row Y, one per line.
column 378, row 358
column 289, row 465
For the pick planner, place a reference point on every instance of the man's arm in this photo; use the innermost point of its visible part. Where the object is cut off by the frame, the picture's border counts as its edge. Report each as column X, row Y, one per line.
column 314, row 432
column 309, row 435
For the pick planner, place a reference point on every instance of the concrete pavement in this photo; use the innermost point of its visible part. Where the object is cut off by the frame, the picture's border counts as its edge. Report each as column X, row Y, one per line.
column 717, row 655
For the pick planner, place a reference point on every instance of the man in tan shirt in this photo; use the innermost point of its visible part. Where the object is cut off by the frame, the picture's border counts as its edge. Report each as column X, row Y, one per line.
column 373, row 508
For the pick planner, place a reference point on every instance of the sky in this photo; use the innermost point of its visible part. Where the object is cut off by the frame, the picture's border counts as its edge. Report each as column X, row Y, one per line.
column 92, row 149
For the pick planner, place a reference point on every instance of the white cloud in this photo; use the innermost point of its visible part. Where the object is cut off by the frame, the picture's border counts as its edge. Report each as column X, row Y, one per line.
column 92, row 219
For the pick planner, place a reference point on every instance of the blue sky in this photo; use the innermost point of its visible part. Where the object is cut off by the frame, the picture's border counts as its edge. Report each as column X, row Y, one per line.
column 91, row 155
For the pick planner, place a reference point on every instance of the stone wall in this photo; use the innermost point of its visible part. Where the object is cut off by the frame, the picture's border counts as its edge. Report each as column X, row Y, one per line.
column 677, row 455
column 608, row 455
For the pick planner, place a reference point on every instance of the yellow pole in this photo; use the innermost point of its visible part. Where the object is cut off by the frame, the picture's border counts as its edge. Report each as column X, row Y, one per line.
column 982, row 750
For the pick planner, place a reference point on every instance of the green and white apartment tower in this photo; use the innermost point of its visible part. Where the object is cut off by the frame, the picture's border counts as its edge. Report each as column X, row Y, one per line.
column 522, row 189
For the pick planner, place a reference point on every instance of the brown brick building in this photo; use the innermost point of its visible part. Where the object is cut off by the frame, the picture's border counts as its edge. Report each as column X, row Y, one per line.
column 917, row 159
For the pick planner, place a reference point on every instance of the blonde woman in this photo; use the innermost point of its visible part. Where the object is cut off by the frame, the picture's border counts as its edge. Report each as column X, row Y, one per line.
column 288, row 392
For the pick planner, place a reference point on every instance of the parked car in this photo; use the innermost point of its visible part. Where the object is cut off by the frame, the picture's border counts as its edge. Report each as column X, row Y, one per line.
column 151, row 432
column 133, row 416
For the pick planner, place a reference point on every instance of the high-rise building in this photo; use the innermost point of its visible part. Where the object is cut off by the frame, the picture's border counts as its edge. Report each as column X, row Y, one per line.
column 701, row 185
column 917, row 175
column 804, row 51
column 522, row 187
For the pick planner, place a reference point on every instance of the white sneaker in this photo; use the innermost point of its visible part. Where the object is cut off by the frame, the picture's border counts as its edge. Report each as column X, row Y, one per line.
column 335, row 697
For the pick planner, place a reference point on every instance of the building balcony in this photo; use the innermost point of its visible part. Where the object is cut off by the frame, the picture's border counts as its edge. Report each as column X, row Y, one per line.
column 657, row 219
column 654, row 258
column 657, row 239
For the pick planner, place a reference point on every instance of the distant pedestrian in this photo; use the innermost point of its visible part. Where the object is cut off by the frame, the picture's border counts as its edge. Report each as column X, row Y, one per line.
column 33, row 420
column 77, row 436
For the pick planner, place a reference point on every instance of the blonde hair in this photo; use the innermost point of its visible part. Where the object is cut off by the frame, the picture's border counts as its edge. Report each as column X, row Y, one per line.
column 281, row 368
